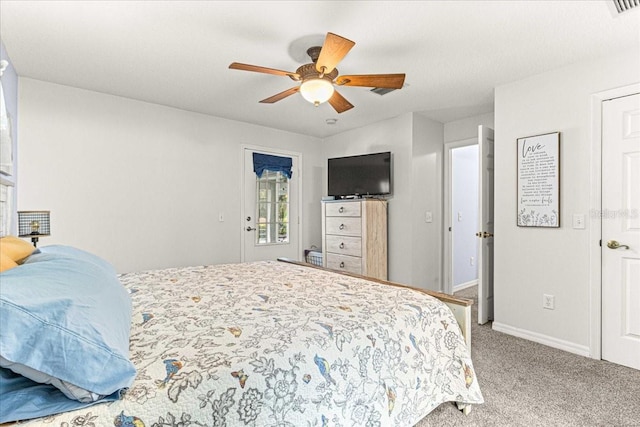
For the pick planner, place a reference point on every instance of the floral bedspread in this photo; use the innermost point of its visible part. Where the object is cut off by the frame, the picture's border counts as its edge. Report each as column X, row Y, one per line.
column 275, row 344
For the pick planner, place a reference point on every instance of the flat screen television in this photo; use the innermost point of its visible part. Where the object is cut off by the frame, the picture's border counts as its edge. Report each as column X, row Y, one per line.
column 363, row 175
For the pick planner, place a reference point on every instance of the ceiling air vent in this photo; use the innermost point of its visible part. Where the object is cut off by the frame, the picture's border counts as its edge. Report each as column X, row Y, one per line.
column 383, row 91
column 621, row 6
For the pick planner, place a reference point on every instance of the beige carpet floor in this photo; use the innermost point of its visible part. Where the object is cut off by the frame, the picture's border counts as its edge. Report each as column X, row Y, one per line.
column 530, row 384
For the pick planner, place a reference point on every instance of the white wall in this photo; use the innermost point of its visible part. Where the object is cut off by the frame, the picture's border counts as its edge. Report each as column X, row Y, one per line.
column 426, row 195
column 142, row 184
column 467, row 128
column 389, row 135
column 533, row 261
column 416, row 146
column 464, row 212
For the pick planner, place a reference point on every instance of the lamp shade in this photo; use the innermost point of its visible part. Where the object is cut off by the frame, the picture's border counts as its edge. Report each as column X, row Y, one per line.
column 33, row 223
column 316, row 91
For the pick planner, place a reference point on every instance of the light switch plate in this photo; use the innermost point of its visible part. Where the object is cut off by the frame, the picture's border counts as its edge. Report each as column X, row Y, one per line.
column 428, row 216
column 578, row 221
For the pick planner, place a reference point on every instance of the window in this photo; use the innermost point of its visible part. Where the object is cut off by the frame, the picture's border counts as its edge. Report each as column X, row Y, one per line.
column 272, row 208
column 5, row 207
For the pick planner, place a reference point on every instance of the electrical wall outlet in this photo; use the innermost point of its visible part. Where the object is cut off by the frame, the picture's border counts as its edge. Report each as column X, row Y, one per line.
column 548, row 301
column 472, row 261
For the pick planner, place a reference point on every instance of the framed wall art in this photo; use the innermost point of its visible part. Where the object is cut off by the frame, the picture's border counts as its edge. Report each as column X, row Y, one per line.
column 539, row 180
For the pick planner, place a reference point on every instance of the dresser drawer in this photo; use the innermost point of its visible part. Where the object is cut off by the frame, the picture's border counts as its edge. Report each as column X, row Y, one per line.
column 348, row 226
column 344, row 245
column 344, row 263
column 342, row 209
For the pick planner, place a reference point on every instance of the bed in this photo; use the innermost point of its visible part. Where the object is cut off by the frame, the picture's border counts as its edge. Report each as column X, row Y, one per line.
column 273, row 343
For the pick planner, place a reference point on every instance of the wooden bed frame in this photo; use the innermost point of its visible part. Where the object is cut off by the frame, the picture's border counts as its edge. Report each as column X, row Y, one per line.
column 461, row 307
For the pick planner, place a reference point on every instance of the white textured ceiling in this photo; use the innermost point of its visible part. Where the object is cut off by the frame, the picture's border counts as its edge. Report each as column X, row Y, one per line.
column 177, row 53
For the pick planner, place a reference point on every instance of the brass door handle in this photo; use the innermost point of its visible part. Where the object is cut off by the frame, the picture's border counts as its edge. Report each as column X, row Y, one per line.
column 613, row 244
column 484, row 234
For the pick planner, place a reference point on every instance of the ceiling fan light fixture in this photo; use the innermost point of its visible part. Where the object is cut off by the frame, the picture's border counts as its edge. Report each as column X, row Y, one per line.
column 316, row 90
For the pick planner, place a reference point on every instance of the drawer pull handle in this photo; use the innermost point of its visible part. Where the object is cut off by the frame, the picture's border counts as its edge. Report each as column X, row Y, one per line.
column 341, row 209
column 341, row 227
column 342, row 264
column 341, row 245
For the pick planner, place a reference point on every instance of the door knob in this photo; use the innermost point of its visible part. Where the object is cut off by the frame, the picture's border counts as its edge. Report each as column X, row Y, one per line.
column 484, row 234
column 613, row 244
column 249, row 228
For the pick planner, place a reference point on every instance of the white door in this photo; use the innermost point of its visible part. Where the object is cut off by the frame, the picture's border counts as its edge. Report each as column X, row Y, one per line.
column 621, row 231
column 270, row 219
column 485, row 224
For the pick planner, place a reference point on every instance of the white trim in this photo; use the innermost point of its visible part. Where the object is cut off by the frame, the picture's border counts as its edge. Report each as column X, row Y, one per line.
column 270, row 150
column 595, row 223
column 571, row 347
column 4, row 180
column 447, row 282
column 465, row 285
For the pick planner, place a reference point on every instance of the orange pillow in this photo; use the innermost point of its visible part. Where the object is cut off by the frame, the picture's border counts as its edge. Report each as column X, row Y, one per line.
column 6, row 263
column 14, row 248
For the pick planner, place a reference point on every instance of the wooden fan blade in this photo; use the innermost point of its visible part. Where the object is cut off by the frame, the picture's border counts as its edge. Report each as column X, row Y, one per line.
column 258, row 69
column 387, row 81
column 281, row 95
column 333, row 50
column 339, row 103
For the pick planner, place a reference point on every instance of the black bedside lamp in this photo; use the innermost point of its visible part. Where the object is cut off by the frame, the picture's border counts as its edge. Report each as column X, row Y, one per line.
column 34, row 224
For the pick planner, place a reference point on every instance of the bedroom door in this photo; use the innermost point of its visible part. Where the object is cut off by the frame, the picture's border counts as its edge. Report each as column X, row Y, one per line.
column 621, row 231
column 485, row 224
column 270, row 211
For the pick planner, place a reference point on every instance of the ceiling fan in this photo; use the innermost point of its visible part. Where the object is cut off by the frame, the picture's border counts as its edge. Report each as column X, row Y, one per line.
column 319, row 77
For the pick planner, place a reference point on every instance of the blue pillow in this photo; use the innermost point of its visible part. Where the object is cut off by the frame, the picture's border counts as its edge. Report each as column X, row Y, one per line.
column 60, row 251
column 65, row 314
column 24, row 399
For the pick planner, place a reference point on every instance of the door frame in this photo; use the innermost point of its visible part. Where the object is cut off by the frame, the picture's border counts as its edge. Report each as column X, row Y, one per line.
column 275, row 151
column 595, row 220
column 448, row 243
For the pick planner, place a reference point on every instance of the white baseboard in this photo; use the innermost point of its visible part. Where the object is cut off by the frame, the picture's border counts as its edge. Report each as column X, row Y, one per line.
column 465, row 285
column 571, row 347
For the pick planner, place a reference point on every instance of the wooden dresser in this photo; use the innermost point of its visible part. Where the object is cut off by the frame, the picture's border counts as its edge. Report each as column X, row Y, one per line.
column 354, row 236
